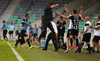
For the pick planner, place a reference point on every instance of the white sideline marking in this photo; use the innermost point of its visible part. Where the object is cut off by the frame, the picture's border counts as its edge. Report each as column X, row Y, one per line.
column 47, row 50
column 15, row 52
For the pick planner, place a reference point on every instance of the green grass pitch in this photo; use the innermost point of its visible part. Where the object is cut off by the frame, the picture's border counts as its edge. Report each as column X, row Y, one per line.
column 36, row 54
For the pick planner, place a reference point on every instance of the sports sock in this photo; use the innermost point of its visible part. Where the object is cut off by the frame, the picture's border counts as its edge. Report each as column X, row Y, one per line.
column 76, row 42
column 93, row 51
column 81, row 45
column 28, row 42
column 89, row 47
column 97, row 51
column 71, row 42
column 12, row 38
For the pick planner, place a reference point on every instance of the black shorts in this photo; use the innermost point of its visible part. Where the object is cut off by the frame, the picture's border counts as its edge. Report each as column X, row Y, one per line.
column 10, row 32
column 96, row 39
column 4, row 32
column 35, row 35
column 68, row 33
column 75, row 32
column 23, row 33
column 22, row 41
column 86, row 37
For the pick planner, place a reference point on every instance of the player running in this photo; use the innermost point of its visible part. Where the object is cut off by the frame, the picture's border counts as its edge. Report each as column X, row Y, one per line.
column 23, row 28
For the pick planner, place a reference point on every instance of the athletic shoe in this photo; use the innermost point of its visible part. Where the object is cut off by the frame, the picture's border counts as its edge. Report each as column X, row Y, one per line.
column 76, row 47
column 22, row 45
column 77, row 50
column 66, row 50
column 89, row 53
column 31, row 47
column 15, row 46
column 97, row 54
column 71, row 47
column 4, row 41
column 55, row 50
column 33, row 42
column 44, row 49
column 38, row 42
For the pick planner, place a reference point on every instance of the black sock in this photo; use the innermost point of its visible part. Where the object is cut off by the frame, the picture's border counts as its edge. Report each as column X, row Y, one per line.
column 93, row 51
column 81, row 45
column 97, row 51
column 17, row 42
column 71, row 42
column 28, row 42
column 33, row 39
column 89, row 47
column 76, row 42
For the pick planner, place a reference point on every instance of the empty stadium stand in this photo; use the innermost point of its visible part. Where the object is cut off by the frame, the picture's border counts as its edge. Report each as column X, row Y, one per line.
column 3, row 5
column 34, row 7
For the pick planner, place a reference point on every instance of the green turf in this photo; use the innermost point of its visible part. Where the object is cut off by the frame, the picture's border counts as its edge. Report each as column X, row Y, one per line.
column 6, row 53
column 36, row 54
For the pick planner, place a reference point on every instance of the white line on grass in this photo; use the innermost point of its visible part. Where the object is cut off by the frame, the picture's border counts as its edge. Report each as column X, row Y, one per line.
column 15, row 52
column 47, row 50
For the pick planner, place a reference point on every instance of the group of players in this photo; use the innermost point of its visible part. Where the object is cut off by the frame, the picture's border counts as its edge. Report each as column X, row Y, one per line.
column 72, row 34
column 73, row 31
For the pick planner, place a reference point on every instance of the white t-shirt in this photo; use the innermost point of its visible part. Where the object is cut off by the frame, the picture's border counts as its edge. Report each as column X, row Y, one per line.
column 54, row 27
column 97, row 31
column 70, row 25
column 87, row 24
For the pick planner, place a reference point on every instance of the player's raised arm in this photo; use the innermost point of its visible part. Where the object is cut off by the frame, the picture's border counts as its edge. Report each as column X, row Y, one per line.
column 67, row 10
column 93, row 22
column 81, row 10
column 63, row 16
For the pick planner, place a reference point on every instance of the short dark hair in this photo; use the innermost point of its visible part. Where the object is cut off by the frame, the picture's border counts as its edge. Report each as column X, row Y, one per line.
column 26, row 14
column 99, row 17
column 3, row 21
column 74, row 11
column 42, row 16
column 17, row 31
column 61, row 17
column 51, row 3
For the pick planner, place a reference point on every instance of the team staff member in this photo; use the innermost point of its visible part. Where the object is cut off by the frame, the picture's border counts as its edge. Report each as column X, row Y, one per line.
column 23, row 28
column 61, row 29
column 4, row 28
column 11, row 29
column 96, row 35
column 53, row 37
column 47, row 18
column 86, row 36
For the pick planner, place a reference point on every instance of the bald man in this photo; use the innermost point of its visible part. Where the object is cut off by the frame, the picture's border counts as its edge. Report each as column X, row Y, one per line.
column 86, row 36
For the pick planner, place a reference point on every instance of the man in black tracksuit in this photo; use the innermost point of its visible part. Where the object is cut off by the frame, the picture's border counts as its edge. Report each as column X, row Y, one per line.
column 61, row 29
column 47, row 18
